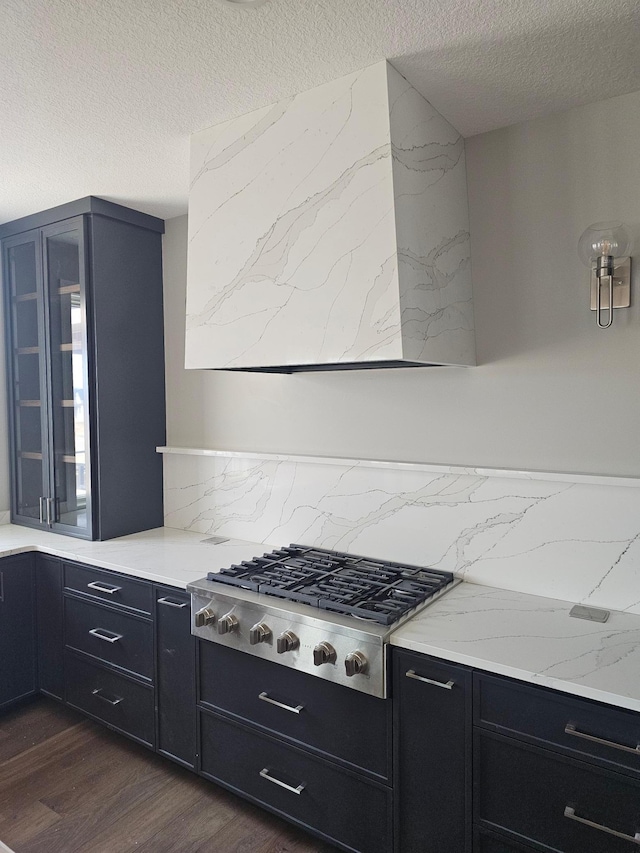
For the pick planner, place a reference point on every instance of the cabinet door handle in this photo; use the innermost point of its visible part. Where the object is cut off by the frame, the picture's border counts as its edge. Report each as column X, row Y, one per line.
column 48, row 502
column 103, row 634
column 570, row 729
column 266, row 698
column 104, row 587
column 41, row 500
column 170, row 603
column 571, row 814
column 410, row 673
column 297, row 790
column 100, row 694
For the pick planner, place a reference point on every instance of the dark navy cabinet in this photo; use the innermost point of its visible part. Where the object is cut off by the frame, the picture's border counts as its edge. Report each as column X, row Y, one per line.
column 48, row 592
column 175, row 675
column 432, row 737
column 85, row 359
column 17, row 629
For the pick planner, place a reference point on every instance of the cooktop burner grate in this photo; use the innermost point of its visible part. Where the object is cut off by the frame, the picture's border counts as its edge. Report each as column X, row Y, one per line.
column 342, row 583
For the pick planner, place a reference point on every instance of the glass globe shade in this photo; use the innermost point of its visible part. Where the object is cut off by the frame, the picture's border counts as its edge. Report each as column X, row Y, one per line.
column 604, row 239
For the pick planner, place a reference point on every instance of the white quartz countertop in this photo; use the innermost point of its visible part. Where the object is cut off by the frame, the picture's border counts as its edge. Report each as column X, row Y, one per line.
column 532, row 639
column 515, row 634
column 163, row 555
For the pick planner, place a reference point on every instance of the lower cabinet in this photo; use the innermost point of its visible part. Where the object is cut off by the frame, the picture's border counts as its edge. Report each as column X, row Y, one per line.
column 334, row 804
column 457, row 761
column 314, row 752
column 116, row 700
column 553, row 772
column 18, row 678
column 48, row 586
column 432, row 737
column 175, row 676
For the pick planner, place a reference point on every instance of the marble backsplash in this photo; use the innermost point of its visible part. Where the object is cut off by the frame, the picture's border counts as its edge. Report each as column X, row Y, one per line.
column 574, row 538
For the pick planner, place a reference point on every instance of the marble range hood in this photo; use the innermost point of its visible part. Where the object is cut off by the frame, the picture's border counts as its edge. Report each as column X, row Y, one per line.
column 330, row 231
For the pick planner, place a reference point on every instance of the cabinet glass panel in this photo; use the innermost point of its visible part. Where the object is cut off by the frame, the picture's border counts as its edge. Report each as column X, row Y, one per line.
column 22, row 266
column 65, row 282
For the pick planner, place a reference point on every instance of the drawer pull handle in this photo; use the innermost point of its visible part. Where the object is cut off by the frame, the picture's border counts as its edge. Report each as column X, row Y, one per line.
column 104, row 587
column 100, row 694
column 171, row 603
column 107, row 636
column 570, row 729
column 410, row 673
column 571, row 814
column 265, row 775
column 266, row 698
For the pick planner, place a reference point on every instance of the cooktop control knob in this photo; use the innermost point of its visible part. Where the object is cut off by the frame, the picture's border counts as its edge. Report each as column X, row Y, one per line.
column 227, row 624
column 260, row 633
column 204, row 617
column 355, row 663
column 287, row 642
column 324, row 653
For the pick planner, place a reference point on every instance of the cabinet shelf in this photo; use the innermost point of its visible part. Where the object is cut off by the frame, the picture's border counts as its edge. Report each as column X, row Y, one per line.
column 29, row 404
column 67, row 404
column 29, row 454
column 66, row 347
column 27, row 297
column 69, row 288
column 28, row 350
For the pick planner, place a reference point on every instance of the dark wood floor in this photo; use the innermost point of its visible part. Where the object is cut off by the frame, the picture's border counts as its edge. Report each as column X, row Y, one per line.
column 67, row 785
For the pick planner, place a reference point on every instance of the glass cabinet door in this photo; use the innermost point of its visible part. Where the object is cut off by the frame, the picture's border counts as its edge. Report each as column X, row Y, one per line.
column 64, row 268
column 27, row 366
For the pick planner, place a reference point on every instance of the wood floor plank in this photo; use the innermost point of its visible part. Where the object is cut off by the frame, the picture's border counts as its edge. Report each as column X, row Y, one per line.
column 28, row 821
column 32, row 724
column 68, row 785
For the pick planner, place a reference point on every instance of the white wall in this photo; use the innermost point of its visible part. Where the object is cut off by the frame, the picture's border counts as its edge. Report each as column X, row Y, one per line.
column 552, row 391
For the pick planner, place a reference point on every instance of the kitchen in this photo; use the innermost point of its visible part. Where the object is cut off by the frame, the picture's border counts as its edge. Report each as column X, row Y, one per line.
column 517, row 475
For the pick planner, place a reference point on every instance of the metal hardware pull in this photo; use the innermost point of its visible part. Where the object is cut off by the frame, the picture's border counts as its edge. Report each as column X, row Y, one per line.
column 98, row 693
column 41, row 503
column 410, row 673
column 108, row 588
column 265, row 775
column 101, row 634
column 48, row 503
column 170, row 603
column 570, row 729
column 266, row 698
column 571, row 814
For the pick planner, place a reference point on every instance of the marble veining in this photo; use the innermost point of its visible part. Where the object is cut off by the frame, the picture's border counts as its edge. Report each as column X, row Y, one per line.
column 331, row 227
column 533, row 639
column 575, row 541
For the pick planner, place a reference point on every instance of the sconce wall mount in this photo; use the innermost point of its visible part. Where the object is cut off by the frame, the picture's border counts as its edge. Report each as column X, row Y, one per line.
column 605, row 248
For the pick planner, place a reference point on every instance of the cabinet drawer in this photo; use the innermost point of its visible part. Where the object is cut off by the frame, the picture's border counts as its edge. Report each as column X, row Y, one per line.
column 313, row 793
column 109, row 586
column 592, row 732
column 540, row 797
column 121, row 703
column 333, row 720
column 113, row 636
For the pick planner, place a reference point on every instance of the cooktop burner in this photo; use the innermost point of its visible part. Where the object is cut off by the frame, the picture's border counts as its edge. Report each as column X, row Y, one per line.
column 343, row 583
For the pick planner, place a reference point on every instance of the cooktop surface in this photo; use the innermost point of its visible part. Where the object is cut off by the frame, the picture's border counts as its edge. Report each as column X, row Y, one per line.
column 375, row 590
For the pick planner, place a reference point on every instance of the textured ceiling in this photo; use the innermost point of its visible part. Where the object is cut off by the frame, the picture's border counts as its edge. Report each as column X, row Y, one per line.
column 100, row 97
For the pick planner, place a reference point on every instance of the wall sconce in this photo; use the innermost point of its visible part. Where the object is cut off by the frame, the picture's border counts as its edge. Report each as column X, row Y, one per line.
column 605, row 248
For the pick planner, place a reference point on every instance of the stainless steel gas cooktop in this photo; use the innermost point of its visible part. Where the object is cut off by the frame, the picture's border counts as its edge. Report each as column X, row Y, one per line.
column 324, row 612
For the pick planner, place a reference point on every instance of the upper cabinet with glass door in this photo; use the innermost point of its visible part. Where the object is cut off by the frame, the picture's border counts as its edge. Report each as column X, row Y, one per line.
column 83, row 303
